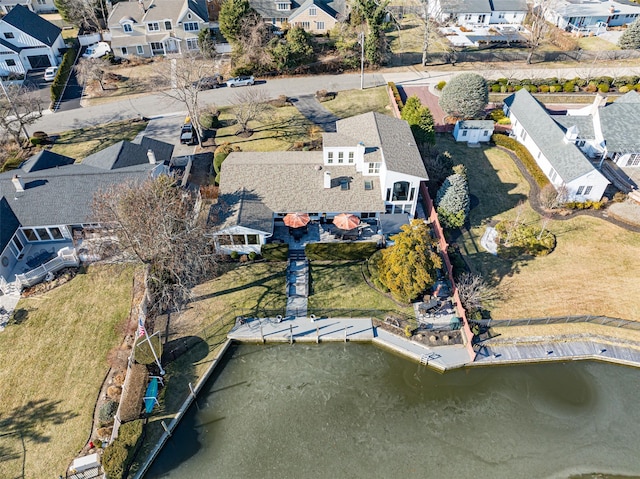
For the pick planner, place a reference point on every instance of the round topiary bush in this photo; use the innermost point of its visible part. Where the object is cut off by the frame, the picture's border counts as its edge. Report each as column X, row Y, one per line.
column 234, row 255
column 253, row 255
column 107, row 411
column 603, row 87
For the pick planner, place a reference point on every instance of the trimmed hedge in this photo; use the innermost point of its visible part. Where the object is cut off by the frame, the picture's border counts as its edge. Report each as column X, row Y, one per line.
column 525, row 157
column 119, row 455
column 556, row 85
column 396, row 95
column 340, row 251
column 57, row 87
column 275, row 251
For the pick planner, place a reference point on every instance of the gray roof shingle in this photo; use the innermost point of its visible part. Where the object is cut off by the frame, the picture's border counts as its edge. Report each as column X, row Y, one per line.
column 390, row 134
column 125, row 153
column 32, row 24
column 508, row 5
column 44, row 160
column 584, row 124
column 566, row 158
column 620, row 123
column 8, row 223
column 476, row 124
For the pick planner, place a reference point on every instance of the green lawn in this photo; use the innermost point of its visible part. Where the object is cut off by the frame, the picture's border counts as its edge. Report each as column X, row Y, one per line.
column 354, row 102
column 596, row 44
column 340, row 285
column 591, row 271
column 82, row 142
column 53, row 364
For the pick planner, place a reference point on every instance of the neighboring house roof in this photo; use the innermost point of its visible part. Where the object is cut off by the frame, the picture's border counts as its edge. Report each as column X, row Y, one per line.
column 262, row 183
column 32, row 24
column 44, row 160
column 584, row 124
column 465, row 6
column 593, row 8
column 620, row 124
column 125, row 153
column 509, row 5
column 390, row 134
column 319, row 4
column 157, row 11
column 566, row 158
column 475, row 124
column 268, row 8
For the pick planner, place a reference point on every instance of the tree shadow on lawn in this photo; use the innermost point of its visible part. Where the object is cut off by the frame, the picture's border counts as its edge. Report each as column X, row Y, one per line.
column 291, row 129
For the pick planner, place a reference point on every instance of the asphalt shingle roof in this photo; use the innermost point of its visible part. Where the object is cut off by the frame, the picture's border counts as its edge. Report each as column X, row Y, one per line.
column 125, row 153
column 583, row 123
column 390, row 134
column 476, row 124
column 263, row 183
column 508, row 5
column 8, row 223
column 44, row 160
column 620, row 123
column 566, row 158
column 32, row 24
column 8, row 45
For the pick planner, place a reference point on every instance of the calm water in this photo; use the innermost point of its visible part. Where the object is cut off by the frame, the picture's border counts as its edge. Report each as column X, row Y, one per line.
column 355, row 411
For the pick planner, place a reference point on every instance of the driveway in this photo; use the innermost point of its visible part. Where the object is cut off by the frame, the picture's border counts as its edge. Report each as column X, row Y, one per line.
column 167, row 129
column 35, row 81
column 313, row 111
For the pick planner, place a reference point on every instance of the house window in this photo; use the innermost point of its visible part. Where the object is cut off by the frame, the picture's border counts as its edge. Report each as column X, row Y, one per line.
column 365, row 215
column 157, row 47
column 634, row 160
column 43, row 234
column 485, row 133
column 252, row 239
column 283, row 6
column 330, row 157
column 341, row 157
column 167, row 25
column 319, row 25
column 10, row 62
column 304, row 25
column 192, row 43
column 140, row 49
column 344, row 184
column 552, row 175
column 580, row 190
column 500, row 15
column 224, row 239
column 524, row 135
column 313, row 11
column 467, row 17
column 539, row 154
column 190, row 26
column 400, row 191
column 127, row 27
column 8, row 35
column 581, row 143
column 368, row 185
column 17, row 243
column 615, row 17
column 153, row 27
column 237, row 239
column 30, row 235
column 125, row 51
column 351, row 157
column 587, row 190
column 42, row 2
column 374, row 168
column 412, row 194
column 464, row 132
column 56, row 234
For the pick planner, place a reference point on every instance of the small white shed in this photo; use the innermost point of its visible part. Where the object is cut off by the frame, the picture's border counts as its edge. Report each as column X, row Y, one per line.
column 473, row 131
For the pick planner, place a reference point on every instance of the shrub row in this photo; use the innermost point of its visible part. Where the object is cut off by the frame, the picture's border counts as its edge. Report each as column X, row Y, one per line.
column 396, row 95
column 584, row 205
column 244, row 258
column 339, row 251
column 523, row 154
column 556, row 85
column 119, row 454
column 275, row 251
column 524, row 240
column 57, row 87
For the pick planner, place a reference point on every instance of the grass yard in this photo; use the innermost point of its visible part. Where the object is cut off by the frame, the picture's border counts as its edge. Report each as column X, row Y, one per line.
column 340, row 285
column 82, row 142
column 210, row 316
column 596, row 44
column 279, row 130
column 354, row 102
column 591, row 271
column 54, row 363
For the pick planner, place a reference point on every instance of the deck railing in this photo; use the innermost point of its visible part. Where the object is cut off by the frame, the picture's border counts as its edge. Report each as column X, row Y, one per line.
column 66, row 257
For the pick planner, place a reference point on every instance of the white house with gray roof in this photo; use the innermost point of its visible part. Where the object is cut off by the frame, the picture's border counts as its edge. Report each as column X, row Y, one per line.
column 316, row 16
column 555, row 148
column 585, row 15
column 369, row 167
column 49, row 197
column 157, row 27
column 28, row 41
column 478, row 12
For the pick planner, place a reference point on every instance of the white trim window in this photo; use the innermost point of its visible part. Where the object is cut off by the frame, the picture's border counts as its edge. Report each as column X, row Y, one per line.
column 192, row 43
column 191, row 26
column 125, row 51
column 351, row 156
column 341, row 157
column 167, row 25
column 313, row 11
column 587, row 190
column 153, row 27
column 329, row 157
column 634, row 160
column 553, row 174
column 127, row 27
column 319, row 25
column 283, row 6
column 580, row 190
column 373, row 168
column 139, row 49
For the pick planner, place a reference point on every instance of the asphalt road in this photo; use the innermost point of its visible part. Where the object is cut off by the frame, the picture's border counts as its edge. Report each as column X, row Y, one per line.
column 158, row 105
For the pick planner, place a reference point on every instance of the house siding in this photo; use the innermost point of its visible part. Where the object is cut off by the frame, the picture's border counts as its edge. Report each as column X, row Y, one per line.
column 321, row 16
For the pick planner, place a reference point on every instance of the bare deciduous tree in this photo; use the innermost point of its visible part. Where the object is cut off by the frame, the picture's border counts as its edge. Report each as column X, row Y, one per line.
column 91, row 69
column 158, row 224
column 537, row 25
column 475, row 293
column 19, row 107
column 253, row 42
column 82, row 13
column 250, row 105
column 185, row 75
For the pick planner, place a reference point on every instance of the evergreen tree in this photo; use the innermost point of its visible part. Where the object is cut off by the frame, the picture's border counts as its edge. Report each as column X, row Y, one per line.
column 453, row 201
column 465, row 96
column 408, row 268
column 420, row 120
column 231, row 14
column 295, row 50
column 630, row 39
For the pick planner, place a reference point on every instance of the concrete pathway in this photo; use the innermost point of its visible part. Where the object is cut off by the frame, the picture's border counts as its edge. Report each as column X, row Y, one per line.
column 488, row 240
column 8, row 303
column 492, row 353
column 313, row 111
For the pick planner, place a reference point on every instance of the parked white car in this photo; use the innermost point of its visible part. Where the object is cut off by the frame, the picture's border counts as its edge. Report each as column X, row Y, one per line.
column 50, row 73
column 240, row 81
column 97, row 50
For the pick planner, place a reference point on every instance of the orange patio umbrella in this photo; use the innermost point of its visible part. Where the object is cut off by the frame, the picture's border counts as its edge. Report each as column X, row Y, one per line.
column 296, row 220
column 346, row 221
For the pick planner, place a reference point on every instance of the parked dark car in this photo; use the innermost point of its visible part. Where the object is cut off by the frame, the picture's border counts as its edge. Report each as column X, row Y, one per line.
column 209, row 83
column 188, row 135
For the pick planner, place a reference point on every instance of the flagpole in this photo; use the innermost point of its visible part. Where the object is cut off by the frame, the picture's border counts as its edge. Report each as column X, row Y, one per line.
column 142, row 331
